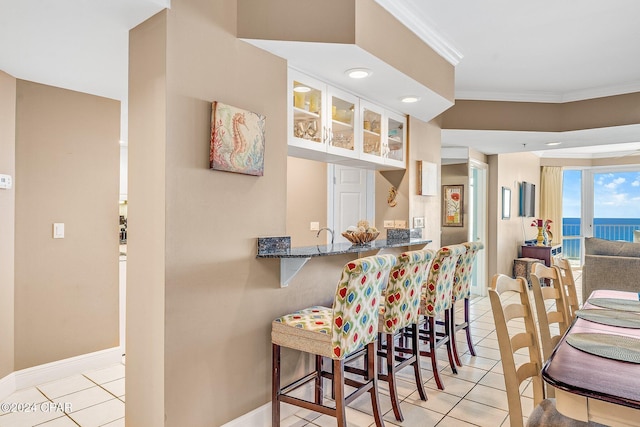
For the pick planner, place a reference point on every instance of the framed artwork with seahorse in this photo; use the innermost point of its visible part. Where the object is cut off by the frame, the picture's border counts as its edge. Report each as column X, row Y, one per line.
column 452, row 204
column 237, row 140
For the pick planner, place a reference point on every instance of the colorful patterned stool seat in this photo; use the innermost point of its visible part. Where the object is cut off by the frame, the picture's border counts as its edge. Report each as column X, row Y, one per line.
column 349, row 326
column 436, row 300
column 462, row 292
column 306, row 330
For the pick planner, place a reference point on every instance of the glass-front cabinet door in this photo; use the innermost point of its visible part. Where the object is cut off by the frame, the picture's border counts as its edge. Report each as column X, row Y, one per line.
column 307, row 126
column 343, row 133
column 371, row 122
column 396, row 135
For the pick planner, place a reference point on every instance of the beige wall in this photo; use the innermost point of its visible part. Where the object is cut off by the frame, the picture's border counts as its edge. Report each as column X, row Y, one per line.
column 306, row 200
column 348, row 22
column 384, row 181
column 7, row 218
column 219, row 300
column 608, row 111
column 506, row 235
column 146, row 253
column 424, row 145
column 67, row 163
column 457, row 174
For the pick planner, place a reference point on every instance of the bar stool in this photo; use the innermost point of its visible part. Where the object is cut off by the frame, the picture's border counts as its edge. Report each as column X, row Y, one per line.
column 436, row 300
column 400, row 311
column 462, row 291
column 349, row 326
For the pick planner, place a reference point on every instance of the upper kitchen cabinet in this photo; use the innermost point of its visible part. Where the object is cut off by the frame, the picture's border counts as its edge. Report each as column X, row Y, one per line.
column 307, row 122
column 396, row 135
column 331, row 125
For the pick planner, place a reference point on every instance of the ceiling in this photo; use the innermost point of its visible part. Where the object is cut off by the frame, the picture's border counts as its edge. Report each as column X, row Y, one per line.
column 546, row 51
column 542, row 51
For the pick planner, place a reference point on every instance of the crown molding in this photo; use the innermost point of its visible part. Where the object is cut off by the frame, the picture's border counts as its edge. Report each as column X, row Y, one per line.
column 509, row 96
column 422, row 27
column 550, row 97
column 601, row 92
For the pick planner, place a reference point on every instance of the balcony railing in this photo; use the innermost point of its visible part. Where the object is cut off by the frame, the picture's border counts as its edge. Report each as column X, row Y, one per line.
column 604, row 228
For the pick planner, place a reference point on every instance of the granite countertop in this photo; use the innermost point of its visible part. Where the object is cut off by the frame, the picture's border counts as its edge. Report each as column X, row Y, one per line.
column 338, row 248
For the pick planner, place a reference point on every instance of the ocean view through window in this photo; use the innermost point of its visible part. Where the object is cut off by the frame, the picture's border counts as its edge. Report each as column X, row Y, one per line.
column 615, row 212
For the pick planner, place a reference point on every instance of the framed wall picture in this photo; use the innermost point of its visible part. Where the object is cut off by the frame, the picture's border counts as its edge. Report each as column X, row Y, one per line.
column 237, row 140
column 452, row 205
column 506, row 203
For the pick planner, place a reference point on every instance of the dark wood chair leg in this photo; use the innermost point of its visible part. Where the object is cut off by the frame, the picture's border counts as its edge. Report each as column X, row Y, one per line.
column 371, row 369
column 275, row 385
column 431, row 334
column 338, row 388
column 467, row 328
column 447, row 331
column 454, row 345
column 391, row 377
column 319, row 388
column 415, row 345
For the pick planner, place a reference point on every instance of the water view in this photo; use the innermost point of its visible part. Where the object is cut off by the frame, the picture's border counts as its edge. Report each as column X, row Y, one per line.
column 604, row 228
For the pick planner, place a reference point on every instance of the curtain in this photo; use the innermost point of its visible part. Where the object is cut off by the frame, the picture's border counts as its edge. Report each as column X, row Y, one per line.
column 551, row 199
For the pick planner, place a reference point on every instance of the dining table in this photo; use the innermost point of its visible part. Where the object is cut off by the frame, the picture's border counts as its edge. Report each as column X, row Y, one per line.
column 600, row 382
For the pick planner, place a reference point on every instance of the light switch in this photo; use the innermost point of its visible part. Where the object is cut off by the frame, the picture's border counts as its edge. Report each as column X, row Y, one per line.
column 314, row 226
column 58, row 230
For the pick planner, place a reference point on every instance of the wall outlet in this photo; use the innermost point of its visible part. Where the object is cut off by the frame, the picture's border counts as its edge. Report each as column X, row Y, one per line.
column 418, row 222
column 400, row 223
column 314, row 226
column 388, row 223
column 5, row 182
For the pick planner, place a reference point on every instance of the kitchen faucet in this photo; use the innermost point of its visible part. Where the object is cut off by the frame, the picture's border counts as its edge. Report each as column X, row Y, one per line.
column 329, row 230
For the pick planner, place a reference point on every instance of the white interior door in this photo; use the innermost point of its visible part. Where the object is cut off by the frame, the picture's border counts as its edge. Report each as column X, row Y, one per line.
column 478, row 228
column 351, row 198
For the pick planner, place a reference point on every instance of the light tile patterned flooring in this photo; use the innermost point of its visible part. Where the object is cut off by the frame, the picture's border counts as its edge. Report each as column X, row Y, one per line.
column 474, row 397
column 92, row 399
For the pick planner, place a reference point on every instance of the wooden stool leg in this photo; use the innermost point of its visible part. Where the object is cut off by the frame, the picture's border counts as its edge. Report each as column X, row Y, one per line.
column 415, row 344
column 467, row 328
column 319, row 388
column 454, row 344
column 431, row 324
column 371, row 369
column 447, row 331
column 338, row 388
column 275, row 385
column 391, row 376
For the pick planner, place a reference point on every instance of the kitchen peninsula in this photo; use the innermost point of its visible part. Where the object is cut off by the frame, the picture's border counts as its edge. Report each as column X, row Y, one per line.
column 293, row 259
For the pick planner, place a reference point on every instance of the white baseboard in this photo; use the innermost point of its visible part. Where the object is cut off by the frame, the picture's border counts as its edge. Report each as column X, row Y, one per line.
column 57, row 370
column 261, row 417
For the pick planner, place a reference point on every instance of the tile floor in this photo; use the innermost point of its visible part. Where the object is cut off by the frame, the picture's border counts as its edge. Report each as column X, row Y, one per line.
column 93, row 399
column 474, row 397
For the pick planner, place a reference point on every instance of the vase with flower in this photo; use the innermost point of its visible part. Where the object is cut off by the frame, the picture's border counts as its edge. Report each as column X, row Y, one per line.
column 544, row 231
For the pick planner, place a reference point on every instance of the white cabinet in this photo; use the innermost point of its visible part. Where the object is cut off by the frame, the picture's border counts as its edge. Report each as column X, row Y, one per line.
column 334, row 126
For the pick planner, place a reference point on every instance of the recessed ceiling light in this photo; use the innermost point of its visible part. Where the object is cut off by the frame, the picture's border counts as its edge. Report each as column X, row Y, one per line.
column 302, row 89
column 358, row 73
column 550, row 144
column 410, row 99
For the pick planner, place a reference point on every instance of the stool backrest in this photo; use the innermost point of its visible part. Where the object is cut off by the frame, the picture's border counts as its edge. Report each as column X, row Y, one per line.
column 571, row 294
column 438, row 290
column 402, row 296
column 464, row 268
column 516, row 307
column 355, row 307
